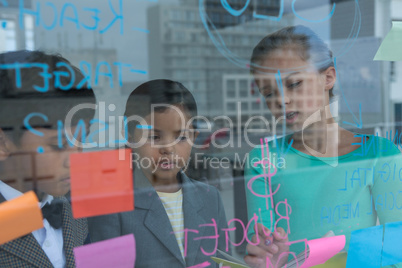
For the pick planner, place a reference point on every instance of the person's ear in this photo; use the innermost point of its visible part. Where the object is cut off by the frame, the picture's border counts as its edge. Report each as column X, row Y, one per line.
column 196, row 134
column 330, row 78
column 123, row 132
column 6, row 146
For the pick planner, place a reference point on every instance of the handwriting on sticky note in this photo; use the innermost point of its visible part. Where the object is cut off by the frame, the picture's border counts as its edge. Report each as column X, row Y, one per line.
column 19, row 216
column 116, row 252
column 390, row 48
column 101, row 183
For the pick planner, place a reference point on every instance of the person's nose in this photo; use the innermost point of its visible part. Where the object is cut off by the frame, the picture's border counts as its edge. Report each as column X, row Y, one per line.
column 167, row 149
column 66, row 155
column 66, row 162
column 282, row 100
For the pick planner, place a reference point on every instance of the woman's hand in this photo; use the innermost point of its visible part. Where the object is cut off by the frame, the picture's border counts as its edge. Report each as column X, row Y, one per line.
column 272, row 247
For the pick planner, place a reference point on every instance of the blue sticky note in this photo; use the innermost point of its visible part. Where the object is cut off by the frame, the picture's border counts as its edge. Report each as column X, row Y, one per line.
column 392, row 249
column 365, row 248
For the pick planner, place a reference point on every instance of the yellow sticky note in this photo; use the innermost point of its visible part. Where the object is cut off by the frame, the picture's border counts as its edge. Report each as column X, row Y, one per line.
column 390, row 49
column 338, row 261
column 228, row 263
column 19, row 216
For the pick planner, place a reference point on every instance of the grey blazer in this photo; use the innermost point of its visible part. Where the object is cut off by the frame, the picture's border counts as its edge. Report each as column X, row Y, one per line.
column 26, row 251
column 156, row 245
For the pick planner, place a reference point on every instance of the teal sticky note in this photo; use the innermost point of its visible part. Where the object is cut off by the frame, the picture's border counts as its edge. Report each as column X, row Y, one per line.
column 365, row 248
column 390, row 48
column 392, row 249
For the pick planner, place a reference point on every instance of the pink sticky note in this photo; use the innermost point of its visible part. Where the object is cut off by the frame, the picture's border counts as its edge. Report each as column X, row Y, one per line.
column 323, row 249
column 115, row 252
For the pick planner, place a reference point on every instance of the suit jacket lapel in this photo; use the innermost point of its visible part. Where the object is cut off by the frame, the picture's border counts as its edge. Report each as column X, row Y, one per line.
column 68, row 234
column 74, row 232
column 192, row 205
column 2, row 199
column 156, row 220
column 26, row 248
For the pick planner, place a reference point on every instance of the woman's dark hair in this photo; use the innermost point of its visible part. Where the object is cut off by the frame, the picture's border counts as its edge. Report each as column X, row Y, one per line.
column 158, row 92
column 309, row 46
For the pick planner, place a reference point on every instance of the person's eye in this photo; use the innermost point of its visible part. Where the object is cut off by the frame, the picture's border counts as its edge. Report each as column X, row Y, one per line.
column 57, row 147
column 295, row 84
column 182, row 138
column 267, row 93
column 154, row 137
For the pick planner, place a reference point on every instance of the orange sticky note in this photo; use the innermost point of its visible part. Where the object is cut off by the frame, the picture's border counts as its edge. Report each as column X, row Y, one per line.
column 19, row 216
column 101, row 183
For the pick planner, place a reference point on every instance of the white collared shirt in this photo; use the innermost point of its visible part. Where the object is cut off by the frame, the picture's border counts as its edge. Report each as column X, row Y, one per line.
column 50, row 239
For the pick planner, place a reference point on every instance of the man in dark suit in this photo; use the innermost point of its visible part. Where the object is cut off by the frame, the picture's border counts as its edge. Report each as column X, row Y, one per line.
column 37, row 92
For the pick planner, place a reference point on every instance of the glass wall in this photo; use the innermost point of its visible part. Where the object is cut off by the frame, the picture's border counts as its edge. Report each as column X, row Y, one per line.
column 179, row 131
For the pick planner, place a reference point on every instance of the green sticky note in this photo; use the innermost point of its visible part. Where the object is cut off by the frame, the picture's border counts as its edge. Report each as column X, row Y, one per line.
column 390, row 49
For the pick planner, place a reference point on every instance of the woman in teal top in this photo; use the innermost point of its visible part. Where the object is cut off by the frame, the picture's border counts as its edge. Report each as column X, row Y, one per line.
column 322, row 177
